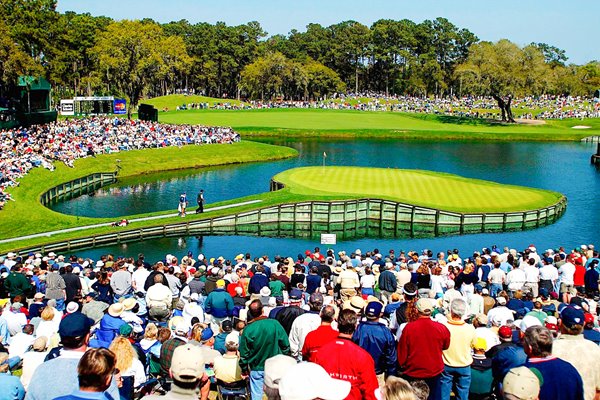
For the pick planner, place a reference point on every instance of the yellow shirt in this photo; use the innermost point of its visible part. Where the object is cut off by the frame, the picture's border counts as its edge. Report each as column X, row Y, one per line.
column 227, row 368
column 462, row 336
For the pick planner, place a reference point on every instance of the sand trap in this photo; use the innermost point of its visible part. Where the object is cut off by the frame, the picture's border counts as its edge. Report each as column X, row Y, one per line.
column 581, row 127
column 525, row 121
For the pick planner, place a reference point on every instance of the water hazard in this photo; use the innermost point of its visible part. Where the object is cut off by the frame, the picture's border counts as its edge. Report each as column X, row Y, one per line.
column 562, row 167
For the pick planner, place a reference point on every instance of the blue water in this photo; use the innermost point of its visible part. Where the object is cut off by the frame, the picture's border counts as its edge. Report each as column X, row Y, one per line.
column 563, row 167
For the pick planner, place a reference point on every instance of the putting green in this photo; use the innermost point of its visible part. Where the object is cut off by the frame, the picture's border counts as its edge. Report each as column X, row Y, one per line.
column 423, row 188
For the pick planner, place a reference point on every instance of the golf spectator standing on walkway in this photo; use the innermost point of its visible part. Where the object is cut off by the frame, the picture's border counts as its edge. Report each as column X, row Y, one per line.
column 387, row 282
column 420, row 349
column 261, row 339
column 16, row 283
column 457, row 357
column 55, row 288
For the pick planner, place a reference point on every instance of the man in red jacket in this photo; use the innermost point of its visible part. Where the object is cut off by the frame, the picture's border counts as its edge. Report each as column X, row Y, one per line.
column 420, row 349
column 344, row 360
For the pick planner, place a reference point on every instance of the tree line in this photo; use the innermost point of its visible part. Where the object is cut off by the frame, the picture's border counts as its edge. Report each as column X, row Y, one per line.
column 81, row 54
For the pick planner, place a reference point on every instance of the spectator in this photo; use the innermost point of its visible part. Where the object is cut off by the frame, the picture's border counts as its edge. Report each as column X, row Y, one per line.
column 310, row 381
column 560, row 380
column 320, row 336
column 10, row 386
column 305, row 324
column 227, row 367
column 58, row 377
column 349, row 362
column 261, row 339
column 159, row 299
column 378, row 341
column 33, row 359
column 127, row 360
column 420, row 349
column 521, row 384
column 219, row 303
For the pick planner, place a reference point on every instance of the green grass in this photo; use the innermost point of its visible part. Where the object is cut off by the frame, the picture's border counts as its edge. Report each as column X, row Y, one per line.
column 423, row 188
column 173, row 101
column 26, row 215
column 342, row 123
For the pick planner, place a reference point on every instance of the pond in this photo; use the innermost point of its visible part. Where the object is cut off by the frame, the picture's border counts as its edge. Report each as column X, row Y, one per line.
column 562, row 167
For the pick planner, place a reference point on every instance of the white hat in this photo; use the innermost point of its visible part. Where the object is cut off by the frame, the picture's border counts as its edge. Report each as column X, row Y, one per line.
column 116, row 309
column 76, row 270
column 358, row 252
column 187, row 364
column 501, row 301
column 527, row 322
column 11, row 255
column 38, row 255
column 307, row 381
column 275, row 368
column 72, row 307
column 100, row 263
column 194, row 297
column 214, row 270
column 4, row 275
column 521, row 383
column 265, row 291
column 52, row 254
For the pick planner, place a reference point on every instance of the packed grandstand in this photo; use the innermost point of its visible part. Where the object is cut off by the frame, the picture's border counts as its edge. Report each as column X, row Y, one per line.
column 444, row 322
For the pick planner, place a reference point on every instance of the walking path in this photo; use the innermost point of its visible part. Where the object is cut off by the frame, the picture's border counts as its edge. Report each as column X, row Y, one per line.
column 79, row 228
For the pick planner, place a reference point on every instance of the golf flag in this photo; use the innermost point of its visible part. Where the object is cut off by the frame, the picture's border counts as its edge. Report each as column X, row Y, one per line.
column 324, row 154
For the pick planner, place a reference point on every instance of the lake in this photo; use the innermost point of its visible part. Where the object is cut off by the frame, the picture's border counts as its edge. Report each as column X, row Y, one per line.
column 562, row 167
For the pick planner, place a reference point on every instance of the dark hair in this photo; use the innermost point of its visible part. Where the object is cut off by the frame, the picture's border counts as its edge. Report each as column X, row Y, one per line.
column 255, row 309
column 347, row 322
column 73, row 342
column 538, row 341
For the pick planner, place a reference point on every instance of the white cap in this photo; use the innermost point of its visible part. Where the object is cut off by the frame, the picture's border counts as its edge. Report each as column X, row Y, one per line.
column 307, row 381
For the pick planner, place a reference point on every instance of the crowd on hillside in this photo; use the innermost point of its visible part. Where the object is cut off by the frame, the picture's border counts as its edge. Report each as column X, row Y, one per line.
column 539, row 107
column 22, row 149
column 322, row 325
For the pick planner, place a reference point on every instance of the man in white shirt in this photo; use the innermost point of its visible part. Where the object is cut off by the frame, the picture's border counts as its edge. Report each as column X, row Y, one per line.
column 21, row 342
column 548, row 275
column 500, row 315
column 496, row 279
column 304, row 324
column 516, row 280
column 139, row 276
column 532, row 277
column 566, row 273
column 159, row 299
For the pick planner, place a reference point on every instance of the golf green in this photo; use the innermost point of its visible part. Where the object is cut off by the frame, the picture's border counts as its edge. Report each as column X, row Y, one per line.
column 423, row 188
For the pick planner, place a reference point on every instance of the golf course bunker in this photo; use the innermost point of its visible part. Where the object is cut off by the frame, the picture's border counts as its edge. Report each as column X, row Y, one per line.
column 413, row 200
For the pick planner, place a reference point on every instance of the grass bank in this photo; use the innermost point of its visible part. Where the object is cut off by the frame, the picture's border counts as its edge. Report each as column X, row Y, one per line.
column 422, row 188
column 26, row 215
column 171, row 102
column 348, row 123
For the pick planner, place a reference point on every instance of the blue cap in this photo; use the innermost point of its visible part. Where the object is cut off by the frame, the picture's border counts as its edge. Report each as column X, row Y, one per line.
column 207, row 333
column 74, row 325
column 295, row 294
column 373, row 309
column 572, row 315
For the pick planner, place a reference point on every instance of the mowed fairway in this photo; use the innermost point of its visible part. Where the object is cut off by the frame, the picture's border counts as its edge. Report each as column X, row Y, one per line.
column 423, row 188
column 347, row 123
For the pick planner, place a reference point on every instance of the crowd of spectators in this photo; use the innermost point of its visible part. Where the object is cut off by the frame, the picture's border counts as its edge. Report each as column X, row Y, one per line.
column 538, row 107
column 22, row 149
column 324, row 324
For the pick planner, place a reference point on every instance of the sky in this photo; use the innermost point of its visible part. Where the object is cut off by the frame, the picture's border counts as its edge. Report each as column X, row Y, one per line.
column 572, row 25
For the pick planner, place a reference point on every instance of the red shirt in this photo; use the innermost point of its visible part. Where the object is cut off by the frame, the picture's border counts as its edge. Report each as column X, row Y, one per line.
column 344, row 360
column 316, row 339
column 578, row 277
column 420, row 348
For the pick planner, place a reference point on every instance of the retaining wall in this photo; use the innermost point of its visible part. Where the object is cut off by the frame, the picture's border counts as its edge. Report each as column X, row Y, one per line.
column 77, row 187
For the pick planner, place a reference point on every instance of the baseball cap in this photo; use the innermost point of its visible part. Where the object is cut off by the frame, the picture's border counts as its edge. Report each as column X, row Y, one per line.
column 221, row 283
column 75, row 325
column 528, row 321
column 187, row 364
column 373, row 309
column 501, row 301
column 424, row 306
column 571, row 316
column 227, row 325
column 207, row 333
column 307, row 381
column 316, row 298
column 505, row 332
column 480, row 344
column 522, row 383
column 295, row 294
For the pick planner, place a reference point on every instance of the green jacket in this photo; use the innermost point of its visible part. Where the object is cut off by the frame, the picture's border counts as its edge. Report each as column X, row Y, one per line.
column 263, row 338
column 16, row 283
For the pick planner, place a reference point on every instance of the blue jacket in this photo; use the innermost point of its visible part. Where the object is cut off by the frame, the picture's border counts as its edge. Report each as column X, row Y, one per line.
column 313, row 282
column 257, row 282
column 11, row 388
column 388, row 281
column 378, row 341
column 219, row 304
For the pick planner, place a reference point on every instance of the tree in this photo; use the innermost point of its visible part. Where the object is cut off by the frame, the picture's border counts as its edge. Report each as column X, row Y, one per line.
column 133, row 54
column 13, row 60
column 503, row 70
column 553, row 55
